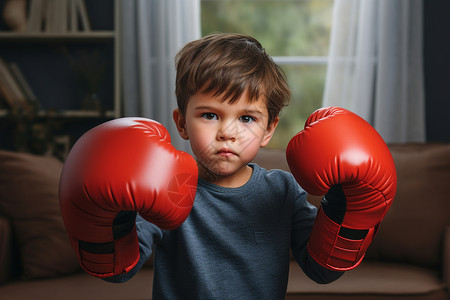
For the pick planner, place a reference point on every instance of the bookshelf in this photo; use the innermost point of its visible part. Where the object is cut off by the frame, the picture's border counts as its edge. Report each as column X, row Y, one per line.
column 72, row 70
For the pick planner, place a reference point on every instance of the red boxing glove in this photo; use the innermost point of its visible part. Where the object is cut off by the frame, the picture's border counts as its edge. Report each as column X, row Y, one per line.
column 116, row 169
column 341, row 155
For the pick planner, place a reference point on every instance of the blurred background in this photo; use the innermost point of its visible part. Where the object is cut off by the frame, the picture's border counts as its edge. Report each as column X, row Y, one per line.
column 69, row 65
column 385, row 60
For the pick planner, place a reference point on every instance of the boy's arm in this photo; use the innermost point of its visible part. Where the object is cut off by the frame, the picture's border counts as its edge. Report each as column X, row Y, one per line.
column 302, row 224
column 315, row 271
column 148, row 234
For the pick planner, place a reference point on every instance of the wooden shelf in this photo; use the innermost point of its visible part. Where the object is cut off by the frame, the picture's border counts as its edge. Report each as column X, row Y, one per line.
column 69, row 114
column 84, row 36
column 77, row 114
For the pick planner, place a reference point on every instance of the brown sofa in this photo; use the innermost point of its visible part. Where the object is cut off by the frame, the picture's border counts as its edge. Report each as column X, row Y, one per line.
column 409, row 258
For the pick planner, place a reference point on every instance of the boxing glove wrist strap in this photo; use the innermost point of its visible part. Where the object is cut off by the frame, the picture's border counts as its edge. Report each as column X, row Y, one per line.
column 337, row 247
column 123, row 224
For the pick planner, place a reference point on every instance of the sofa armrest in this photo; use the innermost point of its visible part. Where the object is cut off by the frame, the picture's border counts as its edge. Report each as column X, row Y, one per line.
column 5, row 250
column 446, row 264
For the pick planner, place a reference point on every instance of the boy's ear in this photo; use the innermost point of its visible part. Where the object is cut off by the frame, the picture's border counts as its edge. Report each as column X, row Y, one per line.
column 269, row 132
column 180, row 121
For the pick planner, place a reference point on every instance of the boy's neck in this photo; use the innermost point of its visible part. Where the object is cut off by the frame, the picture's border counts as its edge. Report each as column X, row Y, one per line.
column 237, row 179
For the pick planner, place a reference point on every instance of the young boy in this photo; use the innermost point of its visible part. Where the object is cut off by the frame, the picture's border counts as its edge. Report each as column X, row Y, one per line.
column 236, row 242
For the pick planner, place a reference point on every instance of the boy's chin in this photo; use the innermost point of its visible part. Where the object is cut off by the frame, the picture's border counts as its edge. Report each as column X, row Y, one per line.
column 225, row 169
column 220, row 171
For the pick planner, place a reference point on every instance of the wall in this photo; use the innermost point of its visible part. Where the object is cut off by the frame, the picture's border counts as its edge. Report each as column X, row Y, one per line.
column 437, row 69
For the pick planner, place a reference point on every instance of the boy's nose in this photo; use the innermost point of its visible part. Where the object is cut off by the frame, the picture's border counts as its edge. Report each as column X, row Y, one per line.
column 227, row 132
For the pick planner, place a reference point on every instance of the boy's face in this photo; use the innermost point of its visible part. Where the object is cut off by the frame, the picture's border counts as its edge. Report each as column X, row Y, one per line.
column 224, row 137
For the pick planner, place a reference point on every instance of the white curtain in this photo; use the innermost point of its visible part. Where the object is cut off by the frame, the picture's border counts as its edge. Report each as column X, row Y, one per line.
column 375, row 65
column 152, row 32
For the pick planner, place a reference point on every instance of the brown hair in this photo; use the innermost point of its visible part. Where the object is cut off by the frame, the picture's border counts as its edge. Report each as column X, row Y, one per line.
column 228, row 65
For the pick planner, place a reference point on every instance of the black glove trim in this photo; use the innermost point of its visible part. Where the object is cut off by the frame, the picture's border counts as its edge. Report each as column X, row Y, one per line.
column 97, row 248
column 353, row 234
column 123, row 224
column 334, row 204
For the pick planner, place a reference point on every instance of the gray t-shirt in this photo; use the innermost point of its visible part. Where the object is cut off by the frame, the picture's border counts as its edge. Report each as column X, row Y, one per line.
column 236, row 242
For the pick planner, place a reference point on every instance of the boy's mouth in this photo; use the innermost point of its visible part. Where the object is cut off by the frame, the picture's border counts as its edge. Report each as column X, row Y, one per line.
column 225, row 152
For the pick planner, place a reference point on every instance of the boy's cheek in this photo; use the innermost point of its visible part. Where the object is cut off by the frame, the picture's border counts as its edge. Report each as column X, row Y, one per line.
column 200, row 144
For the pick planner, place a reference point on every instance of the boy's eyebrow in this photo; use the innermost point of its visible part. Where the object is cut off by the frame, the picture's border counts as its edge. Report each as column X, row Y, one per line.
column 253, row 110
column 203, row 107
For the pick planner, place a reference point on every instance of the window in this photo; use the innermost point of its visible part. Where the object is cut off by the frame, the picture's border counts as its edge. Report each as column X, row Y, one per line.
column 295, row 33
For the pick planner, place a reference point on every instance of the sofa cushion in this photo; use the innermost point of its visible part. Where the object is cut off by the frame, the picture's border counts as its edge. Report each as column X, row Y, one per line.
column 81, row 286
column 272, row 159
column 371, row 278
column 29, row 198
column 414, row 227
column 5, row 249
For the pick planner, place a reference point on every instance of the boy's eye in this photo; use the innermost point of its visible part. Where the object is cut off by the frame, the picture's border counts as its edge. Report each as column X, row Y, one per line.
column 209, row 116
column 247, row 119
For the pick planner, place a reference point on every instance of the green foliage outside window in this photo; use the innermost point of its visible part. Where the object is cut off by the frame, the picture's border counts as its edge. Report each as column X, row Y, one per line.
column 284, row 28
